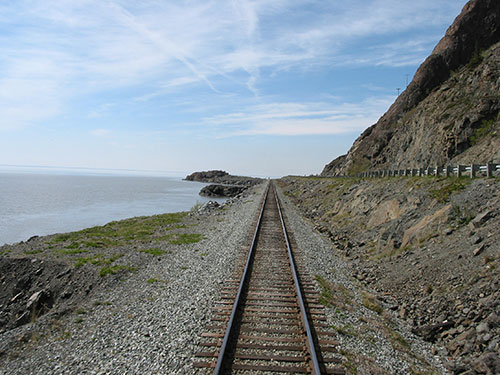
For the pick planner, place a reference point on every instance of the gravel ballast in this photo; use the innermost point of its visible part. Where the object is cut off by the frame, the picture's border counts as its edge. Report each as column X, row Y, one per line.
column 148, row 322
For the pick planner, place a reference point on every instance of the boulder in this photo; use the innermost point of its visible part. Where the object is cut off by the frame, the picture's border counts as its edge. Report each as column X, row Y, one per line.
column 206, row 176
column 425, row 225
column 222, row 190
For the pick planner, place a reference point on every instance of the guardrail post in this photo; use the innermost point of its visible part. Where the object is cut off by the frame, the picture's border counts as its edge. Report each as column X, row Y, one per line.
column 460, row 169
column 448, row 170
column 437, row 171
column 473, row 169
column 489, row 170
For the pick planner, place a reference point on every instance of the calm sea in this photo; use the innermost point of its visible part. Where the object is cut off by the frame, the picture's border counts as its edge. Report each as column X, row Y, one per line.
column 39, row 204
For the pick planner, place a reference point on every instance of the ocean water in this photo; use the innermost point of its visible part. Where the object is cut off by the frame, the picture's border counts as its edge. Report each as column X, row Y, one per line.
column 46, row 203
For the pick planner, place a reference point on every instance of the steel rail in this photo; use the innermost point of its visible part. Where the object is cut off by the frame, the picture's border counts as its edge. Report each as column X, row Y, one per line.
column 230, row 326
column 305, row 320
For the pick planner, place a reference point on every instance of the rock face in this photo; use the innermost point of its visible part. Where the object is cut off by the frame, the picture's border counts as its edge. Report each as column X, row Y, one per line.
column 206, row 176
column 222, row 177
column 429, row 246
column 222, row 190
column 32, row 288
column 449, row 113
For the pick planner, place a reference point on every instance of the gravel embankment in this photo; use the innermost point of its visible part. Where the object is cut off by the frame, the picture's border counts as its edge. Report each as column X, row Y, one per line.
column 372, row 339
column 141, row 327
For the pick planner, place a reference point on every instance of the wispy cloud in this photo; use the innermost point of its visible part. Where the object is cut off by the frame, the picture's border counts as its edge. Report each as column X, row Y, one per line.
column 291, row 119
column 57, row 51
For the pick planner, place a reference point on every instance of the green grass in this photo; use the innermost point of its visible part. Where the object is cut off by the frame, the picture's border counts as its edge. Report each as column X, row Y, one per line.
column 483, row 130
column 117, row 233
column 71, row 251
column 112, row 270
column 62, row 237
column 32, row 252
column 155, row 280
column 155, row 251
column 451, row 186
column 370, row 302
column 97, row 260
column 350, row 362
column 346, row 330
column 396, row 339
column 326, row 295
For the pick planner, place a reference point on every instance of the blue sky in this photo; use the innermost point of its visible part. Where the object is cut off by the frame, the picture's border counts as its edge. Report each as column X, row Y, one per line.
column 258, row 87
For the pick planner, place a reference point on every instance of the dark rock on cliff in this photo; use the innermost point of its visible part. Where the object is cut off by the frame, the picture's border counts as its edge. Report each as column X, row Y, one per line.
column 449, row 112
column 32, row 288
column 206, row 176
column 222, row 177
column 222, row 190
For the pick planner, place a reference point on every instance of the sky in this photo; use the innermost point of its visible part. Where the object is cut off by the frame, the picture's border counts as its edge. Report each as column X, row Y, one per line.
column 254, row 87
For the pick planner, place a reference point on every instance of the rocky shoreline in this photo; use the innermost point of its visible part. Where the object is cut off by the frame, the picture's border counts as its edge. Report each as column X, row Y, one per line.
column 143, row 314
column 223, row 178
column 222, row 183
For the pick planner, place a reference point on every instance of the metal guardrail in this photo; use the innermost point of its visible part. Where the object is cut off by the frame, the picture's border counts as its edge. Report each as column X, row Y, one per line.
column 473, row 170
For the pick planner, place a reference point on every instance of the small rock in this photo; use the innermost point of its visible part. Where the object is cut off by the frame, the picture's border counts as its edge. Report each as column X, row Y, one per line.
column 34, row 299
column 493, row 320
column 480, row 219
column 476, row 239
column 488, row 363
column 487, row 337
column 16, row 297
column 482, row 327
column 478, row 250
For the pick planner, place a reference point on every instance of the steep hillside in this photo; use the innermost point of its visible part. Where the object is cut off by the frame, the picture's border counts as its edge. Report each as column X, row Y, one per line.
column 429, row 246
column 449, row 113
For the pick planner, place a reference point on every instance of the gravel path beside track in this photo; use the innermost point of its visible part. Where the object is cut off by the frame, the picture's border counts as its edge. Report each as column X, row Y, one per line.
column 139, row 327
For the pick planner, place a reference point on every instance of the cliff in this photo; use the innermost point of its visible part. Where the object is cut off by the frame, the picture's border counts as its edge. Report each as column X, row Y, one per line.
column 449, row 113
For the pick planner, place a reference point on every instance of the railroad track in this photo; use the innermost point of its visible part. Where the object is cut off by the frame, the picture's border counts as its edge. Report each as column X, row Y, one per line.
column 269, row 319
